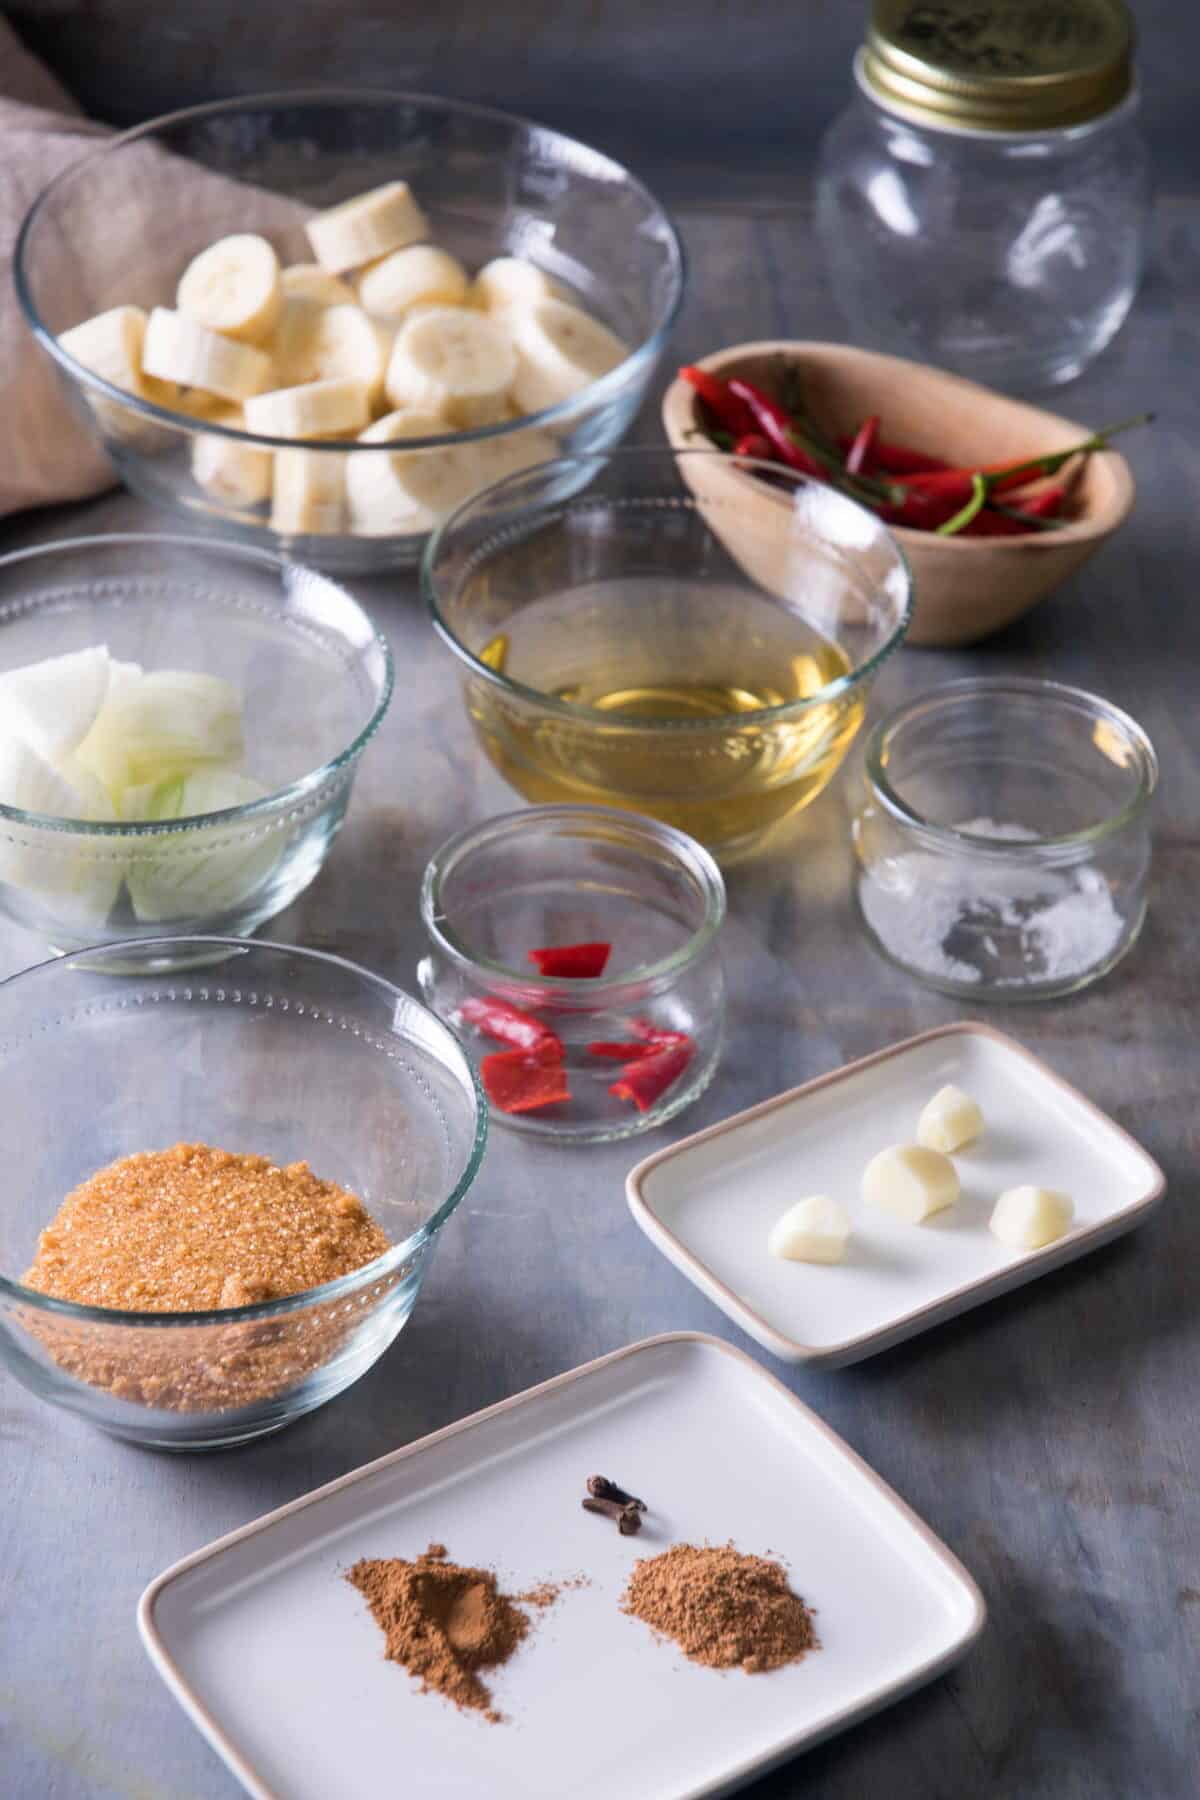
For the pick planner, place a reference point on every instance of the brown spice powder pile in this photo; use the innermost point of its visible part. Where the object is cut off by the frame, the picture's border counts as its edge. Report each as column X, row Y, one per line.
column 443, row 1623
column 194, row 1228
column 723, row 1609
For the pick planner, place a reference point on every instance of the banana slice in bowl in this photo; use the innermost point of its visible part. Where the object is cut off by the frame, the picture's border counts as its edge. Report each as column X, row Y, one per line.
column 454, row 362
column 560, row 350
column 234, row 287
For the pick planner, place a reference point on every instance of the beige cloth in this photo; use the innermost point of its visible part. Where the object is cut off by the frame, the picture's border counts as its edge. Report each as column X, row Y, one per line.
column 124, row 239
column 45, row 453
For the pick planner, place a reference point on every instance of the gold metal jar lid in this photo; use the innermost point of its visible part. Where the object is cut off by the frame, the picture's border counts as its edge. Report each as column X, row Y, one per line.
column 999, row 65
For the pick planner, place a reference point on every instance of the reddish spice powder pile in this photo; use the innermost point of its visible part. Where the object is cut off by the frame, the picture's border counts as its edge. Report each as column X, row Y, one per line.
column 444, row 1623
column 723, row 1609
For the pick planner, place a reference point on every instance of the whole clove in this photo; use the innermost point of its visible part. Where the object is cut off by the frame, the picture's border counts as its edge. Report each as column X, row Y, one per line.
column 601, row 1488
column 627, row 1516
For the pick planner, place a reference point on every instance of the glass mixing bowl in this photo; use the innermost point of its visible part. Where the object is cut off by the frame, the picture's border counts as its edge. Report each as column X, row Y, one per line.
column 315, row 680
column 286, row 1053
column 650, row 629
column 491, row 184
column 569, row 875
column 1003, row 837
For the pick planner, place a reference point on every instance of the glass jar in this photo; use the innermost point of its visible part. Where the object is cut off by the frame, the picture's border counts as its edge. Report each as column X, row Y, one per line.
column 983, row 203
column 627, row 1046
column 1003, row 841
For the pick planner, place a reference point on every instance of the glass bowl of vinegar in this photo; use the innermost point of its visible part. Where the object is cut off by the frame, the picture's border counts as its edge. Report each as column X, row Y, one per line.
column 633, row 631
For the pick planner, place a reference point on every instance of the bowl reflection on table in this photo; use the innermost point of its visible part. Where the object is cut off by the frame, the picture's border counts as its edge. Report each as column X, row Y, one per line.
column 625, row 639
column 270, row 1050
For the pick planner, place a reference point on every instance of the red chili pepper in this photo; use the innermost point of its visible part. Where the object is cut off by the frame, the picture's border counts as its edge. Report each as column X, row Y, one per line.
column 898, row 459
column 1006, row 475
column 517, row 1082
column 1046, row 504
column 574, row 962
column 771, row 419
column 861, row 454
column 731, row 414
column 992, row 524
column 647, row 1080
column 509, row 1025
column 1025, row 520
column 930, row 500
column 754, row 444
column 617, row 1052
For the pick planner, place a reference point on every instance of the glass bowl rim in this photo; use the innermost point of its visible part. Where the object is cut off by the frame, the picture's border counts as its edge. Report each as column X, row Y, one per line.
column 718, row 723
column 597, row 392
column 249, row 809
column 1075, row 699
column 379, row 1267
column 698, row 863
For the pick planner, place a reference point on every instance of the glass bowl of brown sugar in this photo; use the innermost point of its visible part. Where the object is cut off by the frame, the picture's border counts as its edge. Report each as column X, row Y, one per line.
column 223, row 1188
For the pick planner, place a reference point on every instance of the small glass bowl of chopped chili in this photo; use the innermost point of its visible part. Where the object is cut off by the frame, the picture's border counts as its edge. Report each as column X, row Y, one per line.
column 574, row 951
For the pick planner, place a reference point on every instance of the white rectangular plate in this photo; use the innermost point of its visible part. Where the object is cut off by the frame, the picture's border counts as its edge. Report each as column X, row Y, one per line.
column 278, row 1662
column 709, row 1201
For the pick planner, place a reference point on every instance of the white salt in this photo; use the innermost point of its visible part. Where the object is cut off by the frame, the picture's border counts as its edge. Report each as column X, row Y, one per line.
column 964, row 921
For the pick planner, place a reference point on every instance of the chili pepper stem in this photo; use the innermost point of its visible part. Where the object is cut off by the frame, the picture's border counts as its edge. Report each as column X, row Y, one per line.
column 974, row 506
column 1050, row 465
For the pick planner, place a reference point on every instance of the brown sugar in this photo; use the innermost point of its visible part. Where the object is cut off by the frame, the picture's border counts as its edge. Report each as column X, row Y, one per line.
column 722, row 1608
column 193, row 1228
column 443, row 1623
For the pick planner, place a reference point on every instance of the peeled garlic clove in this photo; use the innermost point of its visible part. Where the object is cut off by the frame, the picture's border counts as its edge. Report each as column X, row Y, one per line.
column 911, row 1182
column 1026, row 1218
column 949, row 1122
column 814, row 1230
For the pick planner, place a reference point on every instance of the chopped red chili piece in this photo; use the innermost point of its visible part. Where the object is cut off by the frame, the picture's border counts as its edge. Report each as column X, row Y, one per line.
column 615, row 1052
column 655, row 1036
column 517, row 1081
column 576, row 962
column 509, row 1025
column 648, row 1079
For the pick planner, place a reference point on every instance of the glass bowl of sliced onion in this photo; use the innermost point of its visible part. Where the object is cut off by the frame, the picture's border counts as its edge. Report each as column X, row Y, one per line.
column 323, row 320
column 180, row 727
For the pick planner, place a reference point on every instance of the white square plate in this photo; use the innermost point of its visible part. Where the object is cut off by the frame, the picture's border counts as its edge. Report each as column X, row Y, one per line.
column 709, row 1202
column 278, row 1662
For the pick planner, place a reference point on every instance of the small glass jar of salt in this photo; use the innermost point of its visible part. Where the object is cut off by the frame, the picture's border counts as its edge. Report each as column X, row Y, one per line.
column 1003, row 840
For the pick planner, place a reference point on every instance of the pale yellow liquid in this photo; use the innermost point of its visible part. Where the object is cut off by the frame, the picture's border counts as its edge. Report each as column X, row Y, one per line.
column 650, row 649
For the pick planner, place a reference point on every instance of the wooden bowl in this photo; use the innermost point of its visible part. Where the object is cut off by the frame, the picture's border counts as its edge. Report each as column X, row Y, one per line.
column 965, row 587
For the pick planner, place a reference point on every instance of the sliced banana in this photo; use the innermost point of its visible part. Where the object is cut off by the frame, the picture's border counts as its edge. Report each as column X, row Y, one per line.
column 512, row 281
column 110, row 345
column 413, row 490
column 310, row 492
column 233, row 287
column 421, row 275
column 380, row 498
column 235, row 473
column 560, row 350
column 180, row 349
column 309, row 281
column 315, row 342
column 367, row 227
column 450, row 361
column 317, row 409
